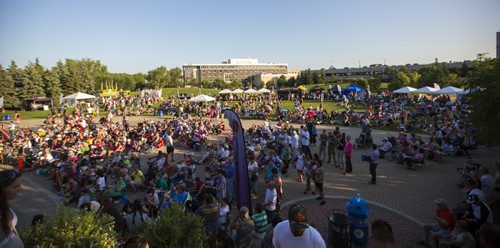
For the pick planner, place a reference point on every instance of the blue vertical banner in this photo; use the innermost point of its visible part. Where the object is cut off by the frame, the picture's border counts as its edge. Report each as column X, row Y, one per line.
column 243, row 197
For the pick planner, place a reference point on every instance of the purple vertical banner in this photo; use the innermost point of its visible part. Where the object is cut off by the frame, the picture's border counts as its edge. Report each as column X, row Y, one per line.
column 242, row 187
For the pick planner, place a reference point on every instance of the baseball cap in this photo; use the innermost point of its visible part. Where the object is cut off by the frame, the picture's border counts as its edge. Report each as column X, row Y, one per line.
column 297, row 219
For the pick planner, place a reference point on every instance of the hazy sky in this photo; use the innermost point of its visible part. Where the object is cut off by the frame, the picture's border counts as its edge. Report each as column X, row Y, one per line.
column 136, row 36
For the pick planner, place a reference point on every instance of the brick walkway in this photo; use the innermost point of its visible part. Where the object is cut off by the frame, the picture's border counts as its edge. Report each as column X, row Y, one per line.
column 406, row 232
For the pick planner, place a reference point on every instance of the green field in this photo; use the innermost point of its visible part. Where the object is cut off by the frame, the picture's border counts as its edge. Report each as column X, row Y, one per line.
column 39, row 114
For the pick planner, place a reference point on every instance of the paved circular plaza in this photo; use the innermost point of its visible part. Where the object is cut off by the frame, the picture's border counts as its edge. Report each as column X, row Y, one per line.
column 402, row 197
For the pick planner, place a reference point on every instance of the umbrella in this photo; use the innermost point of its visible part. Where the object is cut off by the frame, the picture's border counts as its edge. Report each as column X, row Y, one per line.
column 425, row 90
column 251, row 91
column 404, row 90
column 225, row 91
column 264, row 90
column 449, row 90
column 202, row 98
column 237, row 91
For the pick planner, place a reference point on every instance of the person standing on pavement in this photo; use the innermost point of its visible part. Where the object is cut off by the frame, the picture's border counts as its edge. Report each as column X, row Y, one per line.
column 10, row 183
column 348, row 153
column 340, row 150
column 374, row 156
column 319, row 179
column 323, row 138
column 332, row 146
column 304, row 140
column 270, row 200
column 169, row 143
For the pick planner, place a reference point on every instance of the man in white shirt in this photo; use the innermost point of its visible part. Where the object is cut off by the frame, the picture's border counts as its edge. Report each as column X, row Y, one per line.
column 304, row 140
column 296, row 232
column 270, row 200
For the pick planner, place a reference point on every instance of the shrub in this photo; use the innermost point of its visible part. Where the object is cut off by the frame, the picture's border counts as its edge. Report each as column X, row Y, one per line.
column 72, row 228
column 176, row 228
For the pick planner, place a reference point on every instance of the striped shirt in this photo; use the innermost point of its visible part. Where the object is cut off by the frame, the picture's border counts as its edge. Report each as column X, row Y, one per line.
column 260, row 222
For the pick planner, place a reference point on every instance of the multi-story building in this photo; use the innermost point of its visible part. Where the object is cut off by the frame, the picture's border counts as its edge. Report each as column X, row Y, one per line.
column 379, row 70
column 244, row 70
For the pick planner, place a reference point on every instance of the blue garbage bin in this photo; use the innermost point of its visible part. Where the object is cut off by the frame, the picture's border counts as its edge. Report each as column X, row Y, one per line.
column 357, row 209
column 160, row 112
column 7, row 117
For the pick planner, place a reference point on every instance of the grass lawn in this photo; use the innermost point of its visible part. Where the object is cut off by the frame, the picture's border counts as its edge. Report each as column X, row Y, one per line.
column 38, row 114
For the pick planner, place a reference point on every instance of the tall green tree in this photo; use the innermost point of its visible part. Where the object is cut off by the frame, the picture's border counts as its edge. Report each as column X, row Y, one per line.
column 402, row 78
column 282, row 82
column 484, row 83
column 52, row 86
column 175, row 77
column 158, row 77
column 16, row 76
column 33, row 85
column 361, row 82
column 7, row 89
column 374, row 84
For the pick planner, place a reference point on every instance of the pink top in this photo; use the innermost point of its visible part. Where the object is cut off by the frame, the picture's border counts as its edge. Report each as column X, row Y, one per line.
column 348, row 149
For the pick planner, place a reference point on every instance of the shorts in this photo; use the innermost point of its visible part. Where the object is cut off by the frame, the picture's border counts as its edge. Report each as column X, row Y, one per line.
column 170, row 149
column 440, row 232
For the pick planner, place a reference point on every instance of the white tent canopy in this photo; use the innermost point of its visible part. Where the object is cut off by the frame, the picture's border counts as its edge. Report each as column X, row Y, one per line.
column 425, row 90
column 202, row 98
column 405, row 90
column 237, row 91
column 450, row 90
column 225, row 91
column 73, row 99
column 264, row 90
column 251, row 91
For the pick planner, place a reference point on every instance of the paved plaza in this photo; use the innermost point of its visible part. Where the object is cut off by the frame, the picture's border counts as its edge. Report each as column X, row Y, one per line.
column 402, row 197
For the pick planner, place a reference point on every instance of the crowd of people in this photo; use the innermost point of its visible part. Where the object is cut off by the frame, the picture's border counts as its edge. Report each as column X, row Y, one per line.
column 101, row 165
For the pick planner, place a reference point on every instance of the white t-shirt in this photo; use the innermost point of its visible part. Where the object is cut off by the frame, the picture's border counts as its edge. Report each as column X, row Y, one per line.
column 304, row 138
column 283, row 237
column 295, row 141
column 299, row 164
column 253, row 166
column 271, row 196
column 101, row 181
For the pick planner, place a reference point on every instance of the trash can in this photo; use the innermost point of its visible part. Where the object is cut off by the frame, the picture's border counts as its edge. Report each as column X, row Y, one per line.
column 7, row 117
column 160, row 112
column 338, row 229
column 358, row 211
